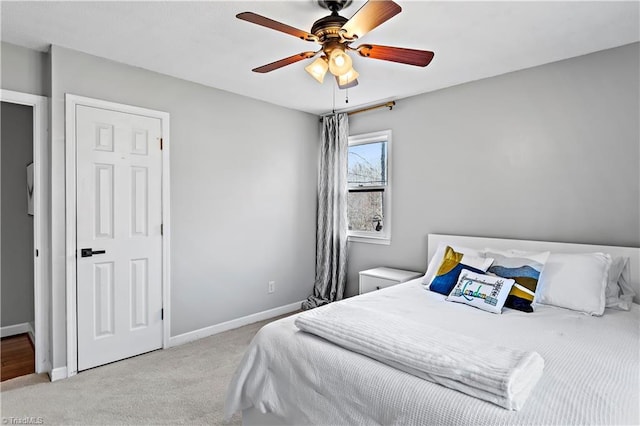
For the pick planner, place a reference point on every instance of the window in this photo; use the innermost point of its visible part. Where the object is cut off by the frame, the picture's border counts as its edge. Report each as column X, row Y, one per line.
column 369, row 197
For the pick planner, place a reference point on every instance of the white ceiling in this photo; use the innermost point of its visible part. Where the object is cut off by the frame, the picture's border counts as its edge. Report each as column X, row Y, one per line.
column 204, row 42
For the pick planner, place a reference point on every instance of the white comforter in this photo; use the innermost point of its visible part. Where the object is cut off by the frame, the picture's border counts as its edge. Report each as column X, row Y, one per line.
column 592, row 373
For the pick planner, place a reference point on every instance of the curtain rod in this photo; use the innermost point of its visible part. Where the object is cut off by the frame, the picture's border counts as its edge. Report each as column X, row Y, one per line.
column 389, row 105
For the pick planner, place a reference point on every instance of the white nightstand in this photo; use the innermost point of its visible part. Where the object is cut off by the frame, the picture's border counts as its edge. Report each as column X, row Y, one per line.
column 377, row 278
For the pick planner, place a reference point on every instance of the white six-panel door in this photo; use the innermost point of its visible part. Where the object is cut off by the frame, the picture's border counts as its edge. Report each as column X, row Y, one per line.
column 119, row 213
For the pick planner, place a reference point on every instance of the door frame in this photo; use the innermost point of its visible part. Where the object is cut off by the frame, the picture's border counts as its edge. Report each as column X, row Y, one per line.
column 41, row 216
column 71, row 104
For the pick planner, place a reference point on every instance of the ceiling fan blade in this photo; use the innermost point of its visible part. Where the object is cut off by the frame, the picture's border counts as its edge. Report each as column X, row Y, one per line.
column 419, row 58
column 369, row 16
column 284, row 62
column 254, row 18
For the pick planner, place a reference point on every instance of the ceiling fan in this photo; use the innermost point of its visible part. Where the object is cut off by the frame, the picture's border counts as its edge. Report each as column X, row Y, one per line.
column 335, row 34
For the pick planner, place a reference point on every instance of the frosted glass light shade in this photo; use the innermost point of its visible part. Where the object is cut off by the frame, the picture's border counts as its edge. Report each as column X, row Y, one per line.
column 348, row 79
column 317, row 69
column 339, row 62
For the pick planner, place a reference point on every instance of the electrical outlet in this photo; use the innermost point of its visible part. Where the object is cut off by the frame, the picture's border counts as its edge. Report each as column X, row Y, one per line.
column 272, row 286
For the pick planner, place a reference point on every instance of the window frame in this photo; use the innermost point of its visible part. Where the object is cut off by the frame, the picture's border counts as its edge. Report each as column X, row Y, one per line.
column 384, row 236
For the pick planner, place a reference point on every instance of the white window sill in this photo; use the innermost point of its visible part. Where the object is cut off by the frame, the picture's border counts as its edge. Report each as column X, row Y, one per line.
column 369, row 240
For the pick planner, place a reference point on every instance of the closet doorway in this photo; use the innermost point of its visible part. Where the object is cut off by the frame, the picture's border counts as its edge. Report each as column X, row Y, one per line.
column 25, row 277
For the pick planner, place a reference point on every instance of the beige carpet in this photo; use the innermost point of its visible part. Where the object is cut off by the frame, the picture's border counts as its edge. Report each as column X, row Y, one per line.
column 22, row 381
column 181, row 385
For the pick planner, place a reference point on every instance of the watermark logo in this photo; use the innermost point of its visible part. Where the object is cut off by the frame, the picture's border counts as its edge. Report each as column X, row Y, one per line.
column 24, row 420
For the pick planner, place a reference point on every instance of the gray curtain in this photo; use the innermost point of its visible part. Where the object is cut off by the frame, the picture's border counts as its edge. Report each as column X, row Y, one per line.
column 331, row 232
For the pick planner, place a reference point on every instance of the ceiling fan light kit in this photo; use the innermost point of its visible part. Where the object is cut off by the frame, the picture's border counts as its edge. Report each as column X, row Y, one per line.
column 335, row 33
column 348, row 80
column 318, row 68
column 339, row 62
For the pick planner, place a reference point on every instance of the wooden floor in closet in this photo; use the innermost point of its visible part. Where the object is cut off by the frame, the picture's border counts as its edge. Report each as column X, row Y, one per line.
column 17, row 356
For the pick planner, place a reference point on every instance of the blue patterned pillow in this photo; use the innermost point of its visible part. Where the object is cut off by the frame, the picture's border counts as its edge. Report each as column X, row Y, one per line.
column 444, row 283
column 452, row 264
column 525, row 269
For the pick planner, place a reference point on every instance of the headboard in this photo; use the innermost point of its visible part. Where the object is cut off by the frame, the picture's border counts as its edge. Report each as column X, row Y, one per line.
column 478, row 243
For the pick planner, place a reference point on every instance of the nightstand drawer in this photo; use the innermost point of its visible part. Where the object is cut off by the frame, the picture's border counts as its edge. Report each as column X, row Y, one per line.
column 368, row 283
column 379, row 278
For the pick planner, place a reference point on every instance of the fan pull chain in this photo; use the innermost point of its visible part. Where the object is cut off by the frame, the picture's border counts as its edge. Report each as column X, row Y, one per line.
column 346, row 99
column 334, row 97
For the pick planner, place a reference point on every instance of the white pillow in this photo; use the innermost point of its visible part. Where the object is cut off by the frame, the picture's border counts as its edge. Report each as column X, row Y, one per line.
column 619, row 293
column 575, row 281
column 436, row 260
column 486, row 292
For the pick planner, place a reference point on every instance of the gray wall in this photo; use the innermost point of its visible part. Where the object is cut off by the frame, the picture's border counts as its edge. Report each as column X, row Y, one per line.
column 16, row 145
column 24, row 70
column 243, row 179
column 548, row 153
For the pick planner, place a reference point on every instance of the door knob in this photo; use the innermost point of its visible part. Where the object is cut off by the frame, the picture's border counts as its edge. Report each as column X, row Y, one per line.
column 87, row 252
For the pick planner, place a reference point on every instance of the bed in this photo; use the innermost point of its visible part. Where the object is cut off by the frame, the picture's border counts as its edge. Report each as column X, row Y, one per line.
column 591, row 363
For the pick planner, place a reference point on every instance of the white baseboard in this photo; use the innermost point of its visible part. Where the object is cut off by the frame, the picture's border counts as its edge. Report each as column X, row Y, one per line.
column 45, row 367
column 58, row 373
column 230, row 325
column 32, row 334
column 12, row 330
column 61, row 372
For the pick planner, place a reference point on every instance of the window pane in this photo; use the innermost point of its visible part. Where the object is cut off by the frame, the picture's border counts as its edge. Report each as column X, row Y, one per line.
column 364, row 210
column 367, row 164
